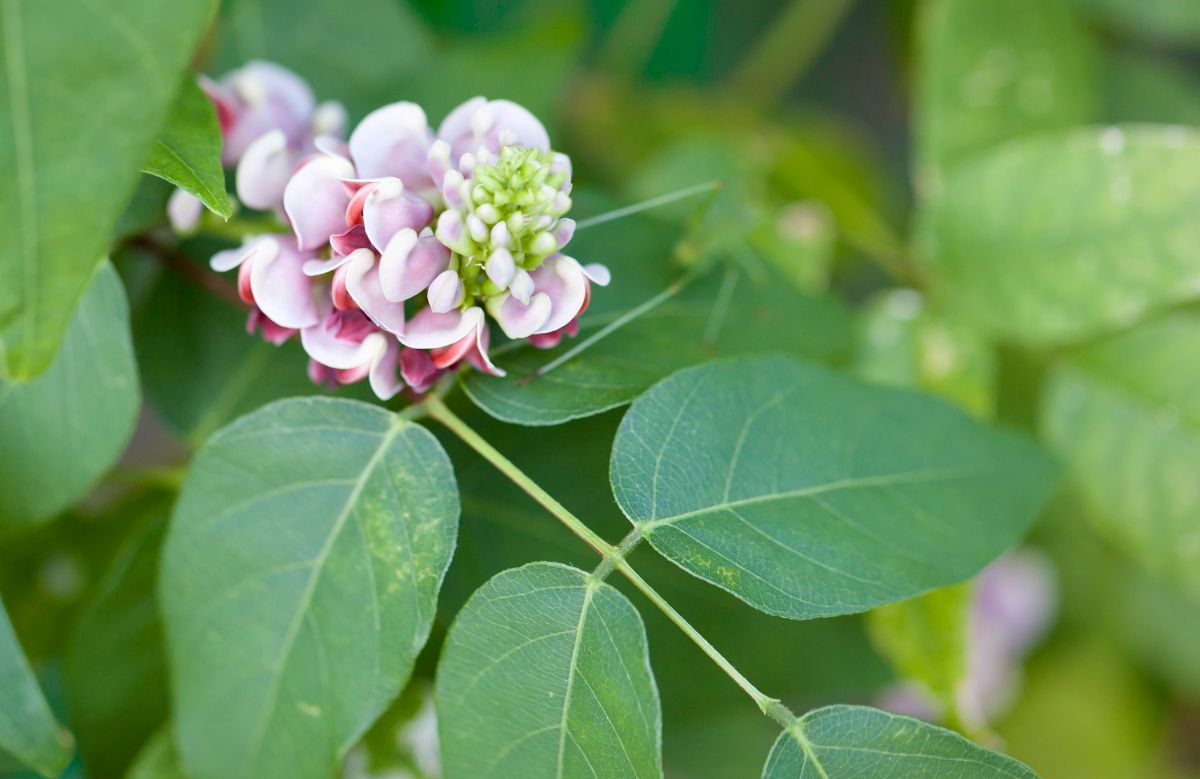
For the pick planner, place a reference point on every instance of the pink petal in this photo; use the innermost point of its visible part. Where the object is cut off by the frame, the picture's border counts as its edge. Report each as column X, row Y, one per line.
column 410, row 264
column 478, row 357
column 563, row 280
column 362, row 281
column 280, row 287
column 417, row 369
column 385, row 382
column 315, row 200
column 393, row 141
column 564, row 231
column 480, row 125
column 265, row 97
column 389, row 209
column 431, row 330
column 520, row 320
column 271, row 332
column 347, row 241
column 228, row 259
column 324, row 345
column 597, row 273
column 445, row 292
column 263, row 172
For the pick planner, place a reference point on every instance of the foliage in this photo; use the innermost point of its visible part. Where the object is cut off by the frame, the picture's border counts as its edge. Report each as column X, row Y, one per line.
column 843, row 366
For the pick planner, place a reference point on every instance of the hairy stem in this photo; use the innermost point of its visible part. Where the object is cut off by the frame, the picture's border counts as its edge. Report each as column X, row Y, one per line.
column 614, row 556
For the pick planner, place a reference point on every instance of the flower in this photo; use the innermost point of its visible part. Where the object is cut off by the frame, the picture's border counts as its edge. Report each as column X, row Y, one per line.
column 406, row 241
column 1012, row 608
column 269, row 120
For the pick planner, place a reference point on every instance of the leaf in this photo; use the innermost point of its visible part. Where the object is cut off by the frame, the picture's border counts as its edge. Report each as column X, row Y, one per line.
column 925, row 639
column 1056, row 238
column 844, row 741
column 61, row 431
column 1124, row 416
column 83, row 91
column 28, row 731
column 808, row 494
column 158, row 760
column 390, row 45
column 116, row 673
column 753, row 319
column 992, row 70
column 545, row 673
column 187, row 152
column 299, row 582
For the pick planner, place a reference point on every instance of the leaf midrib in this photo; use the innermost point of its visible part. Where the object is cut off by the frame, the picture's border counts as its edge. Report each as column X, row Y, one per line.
column 908, row 477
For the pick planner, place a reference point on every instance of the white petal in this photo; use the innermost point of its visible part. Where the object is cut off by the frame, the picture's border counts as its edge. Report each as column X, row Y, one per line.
column 315, row 200
column 184, row 210
column 445, row 292
column 517, row 319
column 409, row 264
column 280, row 287
column 393, row 141
column 362, row 282
column 263, row 171
column 521, row 285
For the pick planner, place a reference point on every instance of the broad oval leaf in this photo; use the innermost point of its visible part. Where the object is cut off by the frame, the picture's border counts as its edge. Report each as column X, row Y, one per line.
column 730, row 317
column 844, row 741
column 187, row 152
column 546, row 674
column 61, row 431
column 1055, row 238
column 1124, row 415
column 82, row 94
column 992, row 70
column 28, row 731
column 299, row 582
column 808, row 494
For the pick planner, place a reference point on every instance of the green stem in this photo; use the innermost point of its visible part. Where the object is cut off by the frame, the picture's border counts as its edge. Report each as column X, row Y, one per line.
column 614, row 556
column 646, row 205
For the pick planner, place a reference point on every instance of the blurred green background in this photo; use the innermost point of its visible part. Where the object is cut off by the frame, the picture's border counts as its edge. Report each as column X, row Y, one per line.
column 804, row 110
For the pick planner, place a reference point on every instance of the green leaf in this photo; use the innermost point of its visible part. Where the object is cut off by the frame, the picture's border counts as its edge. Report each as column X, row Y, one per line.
column 299, row 582
column 390, row 45
column 925, row 639
column 1056, row 238
column 116, row 671
column 157, row 760
column 545, row 673
column 992, row 70
column 808, row 494
column 28, row 731
column 83, row 92
column 1125, row 417
column 61, row 431
column 844, row 741
column 753, row 318
column 187, row 152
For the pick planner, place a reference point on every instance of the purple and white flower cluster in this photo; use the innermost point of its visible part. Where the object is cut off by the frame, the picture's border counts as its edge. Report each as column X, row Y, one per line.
column 405, row 240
